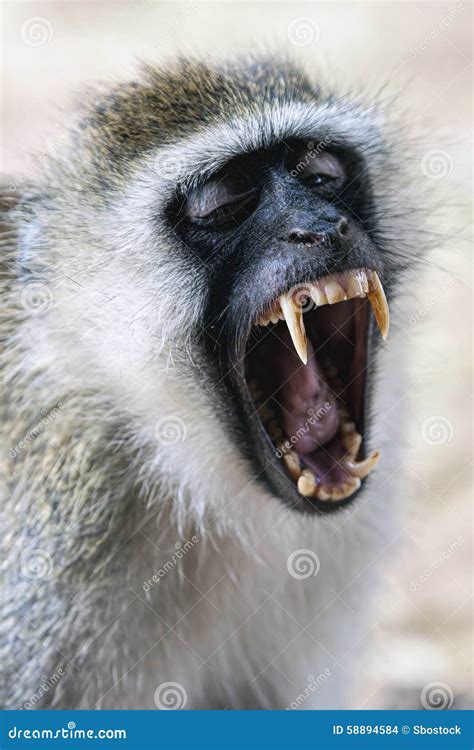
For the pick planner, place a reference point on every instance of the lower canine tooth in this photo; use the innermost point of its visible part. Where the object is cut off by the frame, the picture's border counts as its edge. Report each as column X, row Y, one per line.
column 306, row 483
column 292, row 463
column 361, row 469
column 379, row 304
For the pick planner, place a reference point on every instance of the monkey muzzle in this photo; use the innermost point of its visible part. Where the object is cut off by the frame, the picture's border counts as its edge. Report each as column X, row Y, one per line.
column 302, row 384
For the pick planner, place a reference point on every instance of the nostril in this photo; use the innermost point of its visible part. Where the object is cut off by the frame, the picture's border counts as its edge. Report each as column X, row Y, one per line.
column 342, row 227
column 303, row 237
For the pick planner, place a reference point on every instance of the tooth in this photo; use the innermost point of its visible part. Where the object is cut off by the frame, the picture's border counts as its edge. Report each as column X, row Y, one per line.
column 317, row 294
column 379, row 304
column 352, row 442
column 349, row 487
column 339, row 493
column 284, row 447
column 357, row 285
column 362, row 468
column 294, row 321
column 274, row 318
column 348, row 427
column 307, row 483
column 322, row 493
column 292, row 463
column 335, row 292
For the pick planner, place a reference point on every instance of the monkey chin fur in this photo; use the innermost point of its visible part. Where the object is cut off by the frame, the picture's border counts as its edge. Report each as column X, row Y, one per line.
column 141, row 545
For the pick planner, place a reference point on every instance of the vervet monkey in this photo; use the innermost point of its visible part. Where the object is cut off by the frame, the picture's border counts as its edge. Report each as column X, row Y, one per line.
column 199, row 382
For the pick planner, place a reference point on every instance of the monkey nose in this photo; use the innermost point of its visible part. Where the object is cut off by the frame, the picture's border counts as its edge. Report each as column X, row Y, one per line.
column 303, row 237
column 337, row 229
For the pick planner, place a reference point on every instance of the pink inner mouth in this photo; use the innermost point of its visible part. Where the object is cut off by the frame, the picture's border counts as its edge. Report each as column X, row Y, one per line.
column 313, row 412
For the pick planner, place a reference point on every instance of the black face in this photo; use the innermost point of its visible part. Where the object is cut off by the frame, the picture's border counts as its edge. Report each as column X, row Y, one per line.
column 285, row 236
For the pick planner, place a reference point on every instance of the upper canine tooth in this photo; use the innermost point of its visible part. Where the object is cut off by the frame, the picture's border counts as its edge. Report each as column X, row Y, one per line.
column 379, row 304
column 335, row 292
column 294, row 321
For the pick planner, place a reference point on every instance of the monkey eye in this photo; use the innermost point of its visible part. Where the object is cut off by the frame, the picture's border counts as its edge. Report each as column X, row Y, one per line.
column 219, row 200
column 321, row 169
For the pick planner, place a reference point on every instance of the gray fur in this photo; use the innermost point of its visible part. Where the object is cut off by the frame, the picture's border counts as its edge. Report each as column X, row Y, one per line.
column 93, row 490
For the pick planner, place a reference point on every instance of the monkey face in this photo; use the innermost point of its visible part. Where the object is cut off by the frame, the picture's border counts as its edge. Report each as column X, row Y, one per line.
column 293, row 272
column 227, row 250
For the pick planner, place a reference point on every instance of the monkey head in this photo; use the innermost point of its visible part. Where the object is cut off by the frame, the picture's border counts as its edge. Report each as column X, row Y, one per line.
column 220, row 243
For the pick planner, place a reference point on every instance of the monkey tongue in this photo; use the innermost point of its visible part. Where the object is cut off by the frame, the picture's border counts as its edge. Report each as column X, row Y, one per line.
column 309, row 414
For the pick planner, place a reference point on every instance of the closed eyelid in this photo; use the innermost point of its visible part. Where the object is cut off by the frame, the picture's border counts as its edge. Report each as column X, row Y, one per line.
column 204, row 202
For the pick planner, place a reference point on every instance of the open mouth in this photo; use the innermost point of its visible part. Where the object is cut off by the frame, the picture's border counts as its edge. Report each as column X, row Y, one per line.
column 305, row 367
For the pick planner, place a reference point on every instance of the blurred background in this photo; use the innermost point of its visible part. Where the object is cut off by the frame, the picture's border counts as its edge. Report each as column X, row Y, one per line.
column 423, row 51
